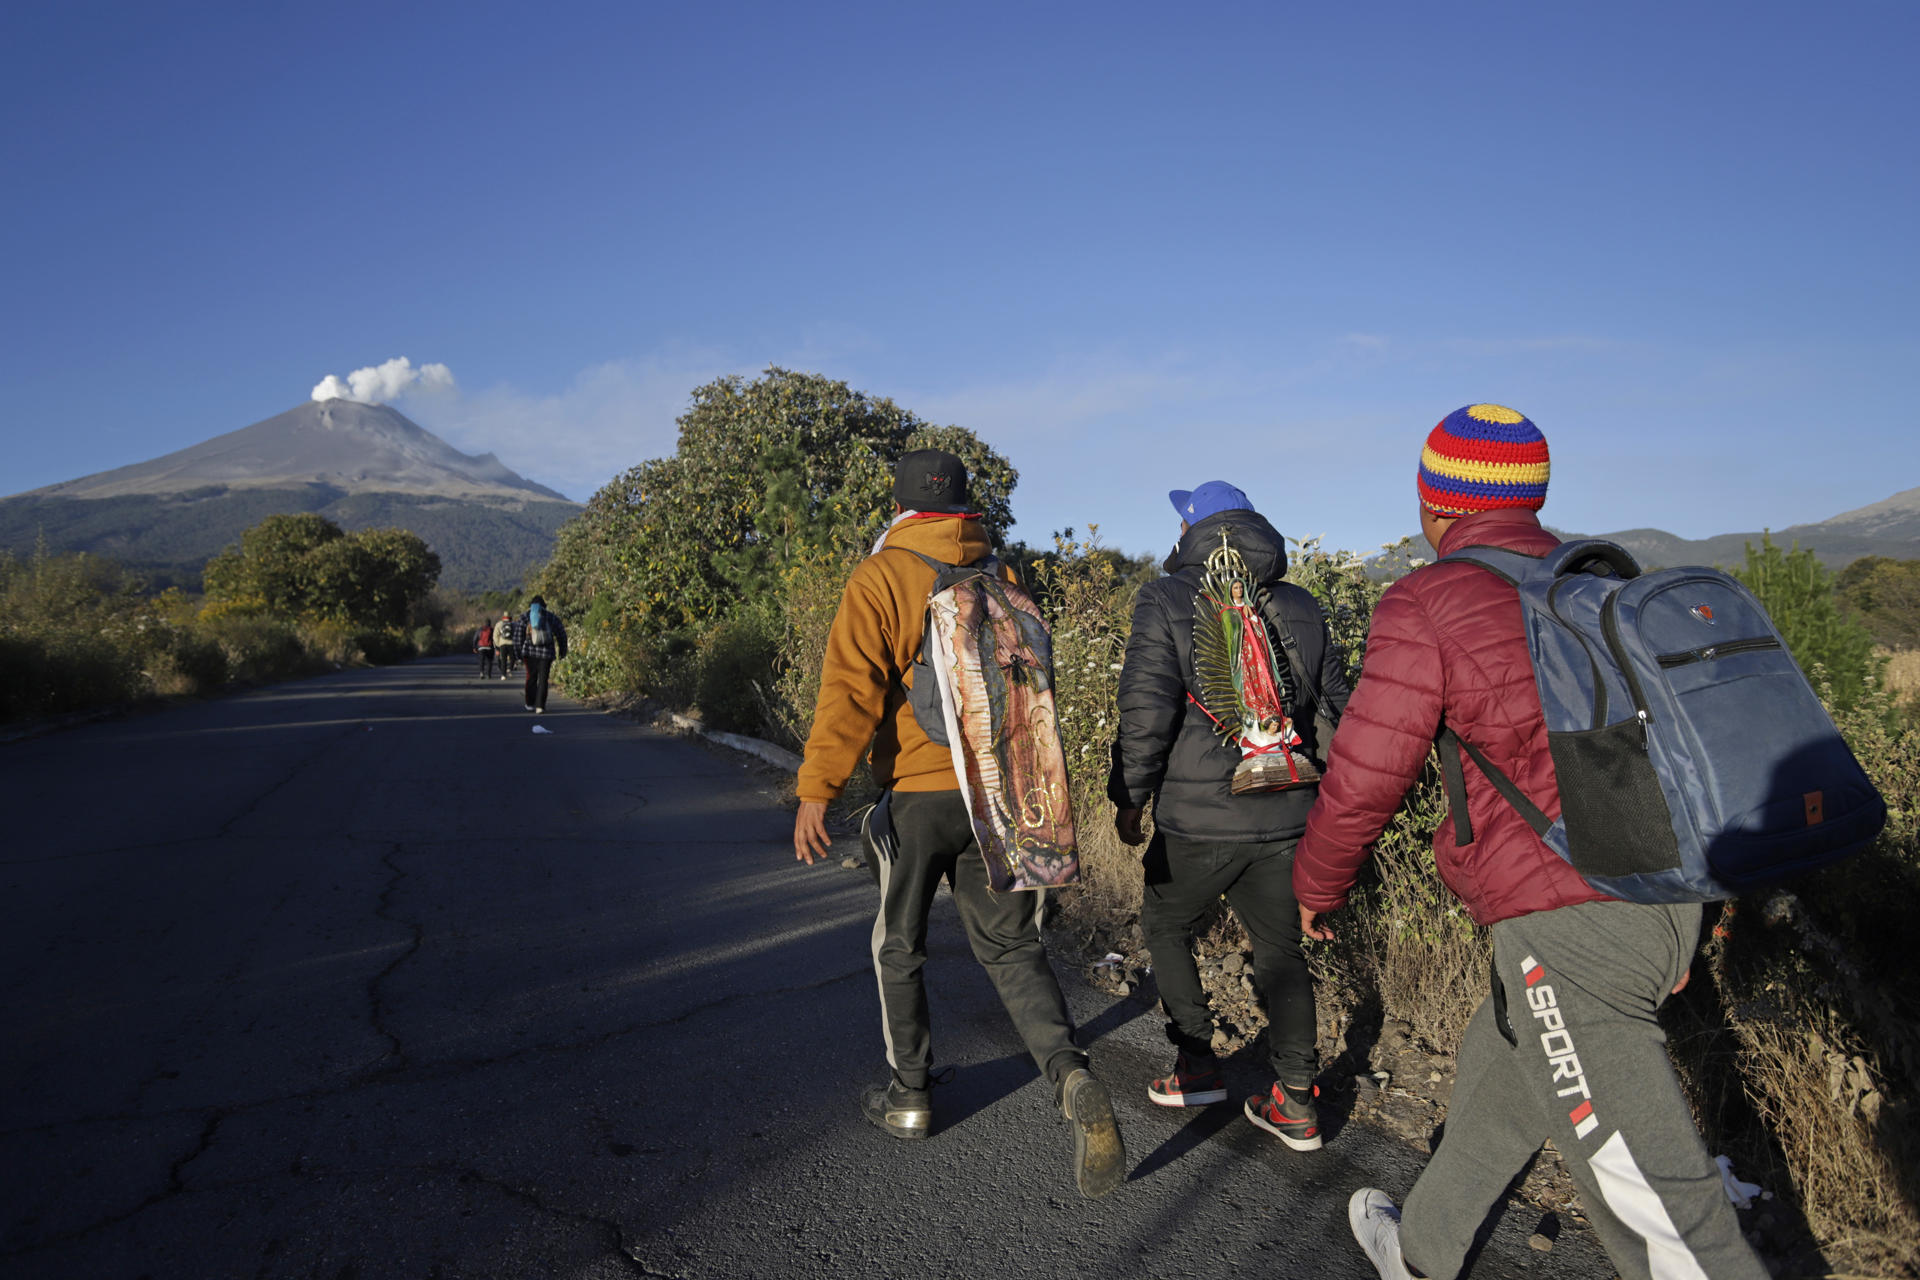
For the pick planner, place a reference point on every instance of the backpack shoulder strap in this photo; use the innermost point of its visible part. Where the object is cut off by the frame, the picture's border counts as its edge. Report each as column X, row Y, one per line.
column 989, row 566
column 1453, row 773
column 1298, row 662
column 1511, row 567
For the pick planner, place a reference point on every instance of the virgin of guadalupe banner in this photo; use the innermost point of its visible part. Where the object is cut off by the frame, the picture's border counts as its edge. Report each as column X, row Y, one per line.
column 994, row 657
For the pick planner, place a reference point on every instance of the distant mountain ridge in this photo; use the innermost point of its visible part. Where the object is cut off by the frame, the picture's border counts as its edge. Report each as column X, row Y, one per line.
column 1890, row 527
column 360, row 465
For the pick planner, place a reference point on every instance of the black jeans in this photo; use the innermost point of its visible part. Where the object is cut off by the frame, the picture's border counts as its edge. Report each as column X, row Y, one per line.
column 486, row 663
column 1184, row 878
column 934, row 841
column 537, row 669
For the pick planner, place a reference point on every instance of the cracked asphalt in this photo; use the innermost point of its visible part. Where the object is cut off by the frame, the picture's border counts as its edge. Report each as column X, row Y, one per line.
column 357, row 977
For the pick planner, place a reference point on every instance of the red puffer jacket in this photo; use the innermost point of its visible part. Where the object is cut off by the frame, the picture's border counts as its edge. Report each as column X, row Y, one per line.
column 1446, row 642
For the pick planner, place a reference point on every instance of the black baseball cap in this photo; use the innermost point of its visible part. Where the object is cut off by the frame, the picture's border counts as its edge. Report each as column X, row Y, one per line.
column 930, row 480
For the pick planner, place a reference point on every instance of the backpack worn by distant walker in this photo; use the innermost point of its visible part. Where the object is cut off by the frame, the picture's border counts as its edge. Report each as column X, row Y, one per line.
column 982, row 686
column 1694, row 760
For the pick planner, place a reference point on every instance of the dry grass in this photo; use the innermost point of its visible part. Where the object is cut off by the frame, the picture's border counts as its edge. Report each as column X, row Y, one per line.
column 1421, row 957
column 1827, row 1109
column 1903, row 674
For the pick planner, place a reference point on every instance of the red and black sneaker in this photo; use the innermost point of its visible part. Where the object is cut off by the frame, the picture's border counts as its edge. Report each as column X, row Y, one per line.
column 1288, row 1115
column 1195, row 1082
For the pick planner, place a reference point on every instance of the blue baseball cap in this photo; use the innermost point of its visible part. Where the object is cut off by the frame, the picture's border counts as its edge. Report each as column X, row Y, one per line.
column 1210, row 499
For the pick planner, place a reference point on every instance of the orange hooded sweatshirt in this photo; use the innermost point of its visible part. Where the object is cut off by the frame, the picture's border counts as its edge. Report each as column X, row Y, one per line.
column 870, row 650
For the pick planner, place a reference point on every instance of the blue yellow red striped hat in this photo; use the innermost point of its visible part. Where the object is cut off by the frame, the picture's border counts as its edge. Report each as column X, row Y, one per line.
column 1483, row 457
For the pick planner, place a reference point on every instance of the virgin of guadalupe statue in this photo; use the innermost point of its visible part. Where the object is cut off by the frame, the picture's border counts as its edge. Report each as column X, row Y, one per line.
column 1239, row 679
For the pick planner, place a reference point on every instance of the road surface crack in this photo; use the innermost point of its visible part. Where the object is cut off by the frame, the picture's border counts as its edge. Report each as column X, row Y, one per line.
column 395, row 1058
column 176, row 1185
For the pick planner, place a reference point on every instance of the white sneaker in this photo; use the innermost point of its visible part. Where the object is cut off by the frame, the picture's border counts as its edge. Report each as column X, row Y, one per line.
column 1376, row 1225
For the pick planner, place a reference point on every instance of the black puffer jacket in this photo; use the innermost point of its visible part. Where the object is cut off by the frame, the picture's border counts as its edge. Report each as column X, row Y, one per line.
column 1168, row 750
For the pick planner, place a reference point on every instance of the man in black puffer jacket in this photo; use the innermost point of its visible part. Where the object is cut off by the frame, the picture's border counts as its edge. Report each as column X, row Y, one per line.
column 1208, row 841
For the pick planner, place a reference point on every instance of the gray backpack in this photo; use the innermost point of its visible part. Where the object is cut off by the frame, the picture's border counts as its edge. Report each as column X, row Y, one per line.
column 1694, row 760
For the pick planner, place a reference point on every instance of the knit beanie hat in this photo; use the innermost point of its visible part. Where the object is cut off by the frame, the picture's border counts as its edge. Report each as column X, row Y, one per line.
column 1483, row 457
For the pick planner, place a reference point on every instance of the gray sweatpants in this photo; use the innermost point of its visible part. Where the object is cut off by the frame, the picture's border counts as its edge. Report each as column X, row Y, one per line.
column 1588, row 1068
column 931, row 840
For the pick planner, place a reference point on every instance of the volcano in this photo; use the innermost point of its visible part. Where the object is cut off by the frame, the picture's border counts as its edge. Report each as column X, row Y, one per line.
column 360, row 465
column 341, row 444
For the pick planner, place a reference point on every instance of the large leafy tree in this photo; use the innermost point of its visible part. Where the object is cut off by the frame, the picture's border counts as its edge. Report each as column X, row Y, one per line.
column 767, row 473
column 306, row 566
column 271, row 566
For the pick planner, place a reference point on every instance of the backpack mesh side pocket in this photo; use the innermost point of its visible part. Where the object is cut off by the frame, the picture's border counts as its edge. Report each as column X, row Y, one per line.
column 1616, row 815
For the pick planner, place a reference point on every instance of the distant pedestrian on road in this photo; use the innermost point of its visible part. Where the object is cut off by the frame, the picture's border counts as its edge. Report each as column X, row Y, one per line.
column 540, row 638
column 483, row 645
column 503, row 642
column 1568, row 1044
column 922, row 831
column 1219, row 647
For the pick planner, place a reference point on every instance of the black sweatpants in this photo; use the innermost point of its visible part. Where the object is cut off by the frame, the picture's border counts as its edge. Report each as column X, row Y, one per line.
column 1184, row 878
column 537, row 669
column 933, row 840
column 486, row 663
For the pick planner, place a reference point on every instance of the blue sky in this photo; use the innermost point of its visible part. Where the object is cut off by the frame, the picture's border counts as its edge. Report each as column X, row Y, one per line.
column 1133, row 246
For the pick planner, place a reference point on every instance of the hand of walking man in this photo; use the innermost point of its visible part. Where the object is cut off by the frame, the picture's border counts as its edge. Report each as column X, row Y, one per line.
column 1311, row 926
column 810, row 838
column 1126, row 824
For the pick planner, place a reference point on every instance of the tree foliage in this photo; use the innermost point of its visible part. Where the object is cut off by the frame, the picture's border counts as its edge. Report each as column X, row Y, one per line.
column 1883, row 595
column 305, row 566
column 1798, row 592
column 767, row 475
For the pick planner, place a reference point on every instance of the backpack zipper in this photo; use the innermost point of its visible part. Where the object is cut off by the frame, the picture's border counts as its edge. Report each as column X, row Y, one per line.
column 1708, row 653
column 1610, row 628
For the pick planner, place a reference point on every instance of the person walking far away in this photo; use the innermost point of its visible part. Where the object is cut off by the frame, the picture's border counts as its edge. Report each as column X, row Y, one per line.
column 483, row 645
column 1567, row 1045
column 1220, row 647
column 922, row 830
column 503, row 643
column 540, row 638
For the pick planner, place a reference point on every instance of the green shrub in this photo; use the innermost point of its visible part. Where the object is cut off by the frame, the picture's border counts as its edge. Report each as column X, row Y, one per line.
column 260, row 648
column 191, row 663
column 1798, row 593
column 383, row 646
column 737, row 672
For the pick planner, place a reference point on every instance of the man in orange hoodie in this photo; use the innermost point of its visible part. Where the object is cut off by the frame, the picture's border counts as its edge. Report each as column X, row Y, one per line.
column 921, row 832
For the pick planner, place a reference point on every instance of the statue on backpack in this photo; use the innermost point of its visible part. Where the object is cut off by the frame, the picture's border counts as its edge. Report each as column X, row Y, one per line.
column 1241, row 690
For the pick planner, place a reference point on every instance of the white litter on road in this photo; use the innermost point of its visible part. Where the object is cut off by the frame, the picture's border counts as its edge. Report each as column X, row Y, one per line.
column 1741, row 1193
column 540, row 728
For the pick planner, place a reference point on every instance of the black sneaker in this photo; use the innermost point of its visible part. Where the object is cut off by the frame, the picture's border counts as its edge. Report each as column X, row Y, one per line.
column 1288, row 1115
column 1194, row 1082
column 902, row 1112
column 1099, row 1156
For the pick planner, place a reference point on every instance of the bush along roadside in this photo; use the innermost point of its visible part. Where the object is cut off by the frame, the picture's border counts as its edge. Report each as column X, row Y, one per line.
column 79, row 634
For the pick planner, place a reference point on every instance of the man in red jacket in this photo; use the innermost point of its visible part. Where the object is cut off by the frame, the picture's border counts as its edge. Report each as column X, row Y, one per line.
column 1568, row 1044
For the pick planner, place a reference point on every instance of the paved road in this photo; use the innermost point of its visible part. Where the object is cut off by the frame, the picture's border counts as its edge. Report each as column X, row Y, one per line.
column 357, row 977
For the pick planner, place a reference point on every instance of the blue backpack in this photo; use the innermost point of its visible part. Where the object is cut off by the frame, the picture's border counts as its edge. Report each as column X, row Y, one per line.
column 1694, row 760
